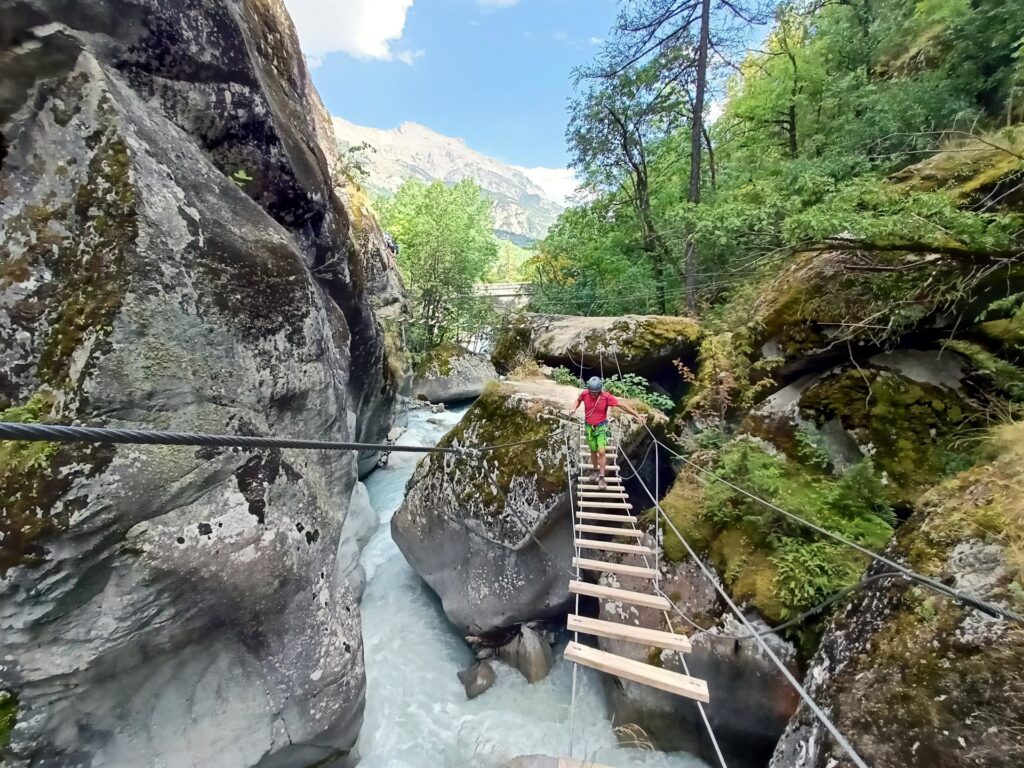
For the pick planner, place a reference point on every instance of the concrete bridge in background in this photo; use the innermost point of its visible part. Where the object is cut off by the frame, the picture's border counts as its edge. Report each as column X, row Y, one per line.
column 510, row 294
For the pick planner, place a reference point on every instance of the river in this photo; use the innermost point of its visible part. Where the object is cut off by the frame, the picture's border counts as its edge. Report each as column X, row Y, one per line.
column 417, row 714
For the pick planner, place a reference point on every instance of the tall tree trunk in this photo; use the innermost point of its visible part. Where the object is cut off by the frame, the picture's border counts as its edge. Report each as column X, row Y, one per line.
column 696, row 137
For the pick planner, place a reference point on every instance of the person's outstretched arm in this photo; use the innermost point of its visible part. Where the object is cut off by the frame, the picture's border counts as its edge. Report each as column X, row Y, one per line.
column 632, row 411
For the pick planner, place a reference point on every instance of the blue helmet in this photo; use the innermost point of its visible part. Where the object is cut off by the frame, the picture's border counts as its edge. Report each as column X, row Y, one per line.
column 595, row 384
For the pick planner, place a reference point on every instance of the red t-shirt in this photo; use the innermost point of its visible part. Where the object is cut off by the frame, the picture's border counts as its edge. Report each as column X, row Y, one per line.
column 596, row 407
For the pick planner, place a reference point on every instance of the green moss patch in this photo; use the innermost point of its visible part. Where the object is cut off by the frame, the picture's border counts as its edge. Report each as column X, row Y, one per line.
column 89, row 270
column 925, row 667
column 495, row 418
column 438, row 362
column 907, row 427
column 779, row 567
column 827, row 297
column 511, row 346
column 8, row 717
column 34, row 476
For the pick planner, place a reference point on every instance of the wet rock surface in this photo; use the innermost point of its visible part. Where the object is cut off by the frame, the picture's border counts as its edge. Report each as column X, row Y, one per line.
column 477, row 679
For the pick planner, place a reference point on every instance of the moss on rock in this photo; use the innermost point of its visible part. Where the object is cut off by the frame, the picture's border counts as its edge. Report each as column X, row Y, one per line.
column 496, row 418
column 951, row 683
column 89, row 271
column 511, row 346
column 8, row 717
column 438, row 362
column 778, row 567
column 907, row 427
column 827, row 297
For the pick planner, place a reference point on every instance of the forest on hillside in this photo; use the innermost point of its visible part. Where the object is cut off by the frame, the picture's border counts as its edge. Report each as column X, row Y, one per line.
column 826, row 129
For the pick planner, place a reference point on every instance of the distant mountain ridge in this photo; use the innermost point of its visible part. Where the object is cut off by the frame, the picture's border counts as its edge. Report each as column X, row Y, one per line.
column 522, row 211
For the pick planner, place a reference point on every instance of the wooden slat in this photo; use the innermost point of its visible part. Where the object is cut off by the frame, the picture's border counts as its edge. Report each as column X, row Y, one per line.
column 624, row 570
column 589, row 486
column 607, row 530
column 619, row 595
column 631, row 634
column 615, row 517
column 613, row 546
column 638, row 672
column 607, row 504
column 587, row 465
column 611, row 493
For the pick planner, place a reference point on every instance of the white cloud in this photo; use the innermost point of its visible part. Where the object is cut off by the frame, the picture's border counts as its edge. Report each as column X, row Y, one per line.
column 596, row 40
column 497, row 3
column 558, row 184
column 365, row 29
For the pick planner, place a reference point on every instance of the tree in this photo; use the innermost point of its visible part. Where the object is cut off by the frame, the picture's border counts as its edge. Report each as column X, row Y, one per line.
column 446, row 248
column 612, row 129
column 685, row 34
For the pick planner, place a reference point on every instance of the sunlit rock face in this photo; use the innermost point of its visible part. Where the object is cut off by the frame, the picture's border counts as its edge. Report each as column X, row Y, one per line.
column 172, row 256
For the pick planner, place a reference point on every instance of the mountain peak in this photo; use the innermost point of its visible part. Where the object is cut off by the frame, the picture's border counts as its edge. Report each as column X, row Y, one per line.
column 521, row 207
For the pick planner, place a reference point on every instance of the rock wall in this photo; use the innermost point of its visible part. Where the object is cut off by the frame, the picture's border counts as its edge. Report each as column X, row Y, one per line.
column 172, row 256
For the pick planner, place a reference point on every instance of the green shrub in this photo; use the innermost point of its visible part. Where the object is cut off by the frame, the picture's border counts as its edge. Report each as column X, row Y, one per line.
column 636, row 387
column 563, row 375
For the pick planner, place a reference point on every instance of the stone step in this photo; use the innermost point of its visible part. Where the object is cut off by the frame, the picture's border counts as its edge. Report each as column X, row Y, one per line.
column 640, row 635
column 638, row 672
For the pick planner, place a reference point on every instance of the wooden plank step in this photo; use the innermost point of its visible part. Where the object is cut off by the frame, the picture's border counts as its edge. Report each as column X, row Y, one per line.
column 587, row 485
column 586, row 465
column 606, row 504
column 613, row 546
column 616, row 517
column 611, row 493
column 624, row 570
column 630, row 634
column 638, row 672
column 619, row 595
column 607, row 530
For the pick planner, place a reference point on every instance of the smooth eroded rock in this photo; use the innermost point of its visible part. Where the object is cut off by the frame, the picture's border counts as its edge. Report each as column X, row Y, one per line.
column 451, row 374
column 173, row 257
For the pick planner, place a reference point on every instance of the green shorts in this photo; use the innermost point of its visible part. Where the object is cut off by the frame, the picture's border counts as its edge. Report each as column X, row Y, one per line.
column 597, row 437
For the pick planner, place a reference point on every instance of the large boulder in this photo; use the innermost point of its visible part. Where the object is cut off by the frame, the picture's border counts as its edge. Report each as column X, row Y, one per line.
column 492, row 534
column 947, row 677
column 640, row 343
column 173, row 257
column 450, row 374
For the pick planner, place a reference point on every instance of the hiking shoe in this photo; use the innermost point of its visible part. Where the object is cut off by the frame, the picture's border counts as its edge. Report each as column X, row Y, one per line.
column 601, row 483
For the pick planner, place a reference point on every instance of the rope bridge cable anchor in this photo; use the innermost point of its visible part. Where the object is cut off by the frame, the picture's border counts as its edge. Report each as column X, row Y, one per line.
column 72, row 434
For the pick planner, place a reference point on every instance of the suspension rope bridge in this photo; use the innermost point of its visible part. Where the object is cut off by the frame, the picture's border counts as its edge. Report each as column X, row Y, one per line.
column 605, row 532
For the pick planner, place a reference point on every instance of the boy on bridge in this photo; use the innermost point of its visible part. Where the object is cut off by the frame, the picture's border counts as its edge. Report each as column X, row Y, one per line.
column 596, row 403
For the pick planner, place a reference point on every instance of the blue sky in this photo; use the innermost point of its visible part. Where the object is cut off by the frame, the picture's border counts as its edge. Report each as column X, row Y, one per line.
column 495, row 73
